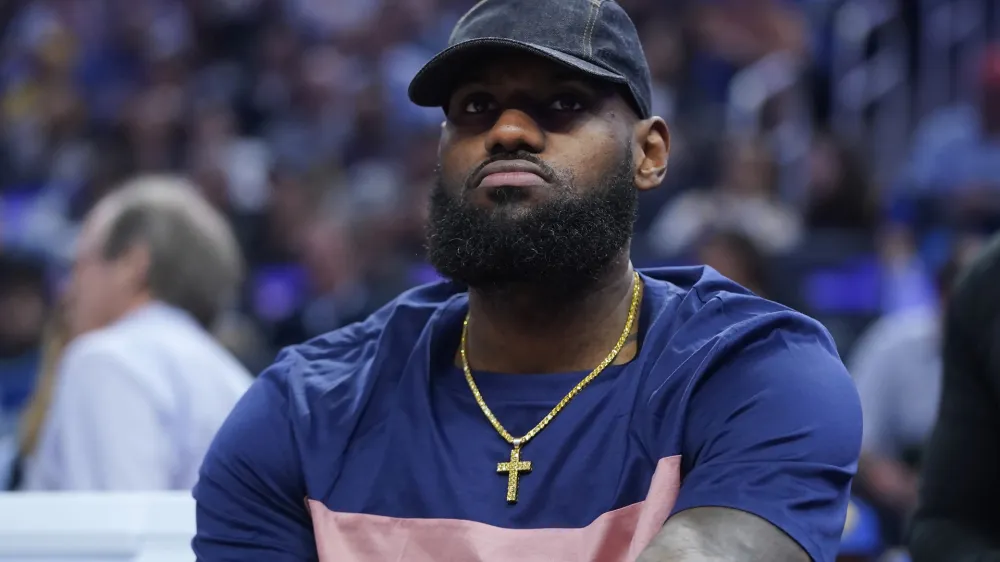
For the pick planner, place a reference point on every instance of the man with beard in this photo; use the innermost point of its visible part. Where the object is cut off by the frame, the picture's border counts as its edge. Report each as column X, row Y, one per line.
column 548, row 402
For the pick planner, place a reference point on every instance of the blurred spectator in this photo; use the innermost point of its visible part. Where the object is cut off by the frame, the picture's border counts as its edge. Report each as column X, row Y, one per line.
column 744, row 200
column 337, row 290
column 241, row 335
column 734, row 255
column 906, row 283
column 55, row 339
column 897, row 366
column 278, row 237
column 839, row 192
column 861, row 540
column 956, row 152
column 955, row 148
column 23, row 308
column 957, row 519
column 735, row 33
column 662, row 40
column 22, row 314
column 143, row 387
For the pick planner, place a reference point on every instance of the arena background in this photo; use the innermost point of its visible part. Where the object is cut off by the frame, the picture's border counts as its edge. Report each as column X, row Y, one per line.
column 841, row 157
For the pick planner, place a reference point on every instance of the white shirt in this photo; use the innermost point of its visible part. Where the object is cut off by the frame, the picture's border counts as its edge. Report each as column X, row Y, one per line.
column 897, row 367
column 136, row 406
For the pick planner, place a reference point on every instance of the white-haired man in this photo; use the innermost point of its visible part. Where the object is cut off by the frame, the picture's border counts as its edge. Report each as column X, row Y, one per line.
column 143, row 388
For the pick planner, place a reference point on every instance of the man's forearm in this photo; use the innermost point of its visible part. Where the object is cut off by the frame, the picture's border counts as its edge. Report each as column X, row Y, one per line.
column 711, row 534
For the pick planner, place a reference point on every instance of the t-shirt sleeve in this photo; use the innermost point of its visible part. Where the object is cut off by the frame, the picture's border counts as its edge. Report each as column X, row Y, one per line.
column 775, row 431
column 250, row 495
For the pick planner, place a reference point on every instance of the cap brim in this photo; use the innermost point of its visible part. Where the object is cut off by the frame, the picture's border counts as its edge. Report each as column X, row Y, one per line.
column 433, row 84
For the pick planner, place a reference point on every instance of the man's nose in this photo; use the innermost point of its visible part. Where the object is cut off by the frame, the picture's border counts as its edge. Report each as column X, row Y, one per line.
column 515, row 130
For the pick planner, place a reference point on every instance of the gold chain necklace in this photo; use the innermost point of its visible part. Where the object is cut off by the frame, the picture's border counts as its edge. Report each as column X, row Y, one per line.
column 516, row 466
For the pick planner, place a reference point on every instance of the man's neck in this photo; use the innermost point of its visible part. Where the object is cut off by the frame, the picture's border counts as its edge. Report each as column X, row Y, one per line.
column 139, row 301
column 522, row 332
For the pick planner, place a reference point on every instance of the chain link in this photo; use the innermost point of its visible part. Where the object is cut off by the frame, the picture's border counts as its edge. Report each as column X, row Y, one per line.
column 519, row 442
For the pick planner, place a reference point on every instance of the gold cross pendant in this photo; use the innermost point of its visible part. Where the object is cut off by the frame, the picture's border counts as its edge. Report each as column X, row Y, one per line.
column 513, row 468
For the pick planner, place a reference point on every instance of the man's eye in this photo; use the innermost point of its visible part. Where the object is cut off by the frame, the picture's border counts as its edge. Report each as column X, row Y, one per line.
column 566, row 103
column 479, row 105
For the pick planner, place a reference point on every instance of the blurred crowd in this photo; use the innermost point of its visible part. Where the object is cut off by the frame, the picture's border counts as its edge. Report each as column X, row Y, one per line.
column 816, row 159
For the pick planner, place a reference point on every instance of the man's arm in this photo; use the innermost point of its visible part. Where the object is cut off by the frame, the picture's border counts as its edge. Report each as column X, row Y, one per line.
column 251, row 492
column 957, row 519
column 771, row 441
column 710, row 534
column 103, row 430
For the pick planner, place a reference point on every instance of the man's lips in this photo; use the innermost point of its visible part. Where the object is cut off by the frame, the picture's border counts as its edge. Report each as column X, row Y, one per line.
column 510, row 173
column 512, row 179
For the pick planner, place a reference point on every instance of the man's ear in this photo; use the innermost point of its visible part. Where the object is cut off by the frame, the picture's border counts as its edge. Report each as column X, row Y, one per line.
column 652, row 141
column 135, row 264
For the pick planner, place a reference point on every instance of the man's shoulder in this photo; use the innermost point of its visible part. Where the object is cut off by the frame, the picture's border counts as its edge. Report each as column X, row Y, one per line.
column 744, row 375
column 707, row 328
column 106, row 344
column 699, row 303
column 154, row 329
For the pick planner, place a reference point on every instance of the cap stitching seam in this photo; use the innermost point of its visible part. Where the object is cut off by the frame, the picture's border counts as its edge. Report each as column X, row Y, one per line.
column 586, row 29
column 595, row 10
column 464, row 17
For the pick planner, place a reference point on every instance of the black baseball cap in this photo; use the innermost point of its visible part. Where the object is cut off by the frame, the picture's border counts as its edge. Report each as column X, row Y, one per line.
column 595, row 37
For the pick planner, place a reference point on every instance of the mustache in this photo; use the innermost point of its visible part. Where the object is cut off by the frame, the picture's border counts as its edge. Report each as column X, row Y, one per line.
column 547, row 170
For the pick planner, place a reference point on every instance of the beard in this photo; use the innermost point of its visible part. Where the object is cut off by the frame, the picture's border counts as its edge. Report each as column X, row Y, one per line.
column 556, row 249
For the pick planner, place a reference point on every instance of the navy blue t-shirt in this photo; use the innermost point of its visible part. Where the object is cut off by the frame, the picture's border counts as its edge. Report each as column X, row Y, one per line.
column 367, row 445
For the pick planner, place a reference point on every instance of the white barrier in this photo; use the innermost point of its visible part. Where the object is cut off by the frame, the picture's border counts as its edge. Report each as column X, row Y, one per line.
column 96, row 527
